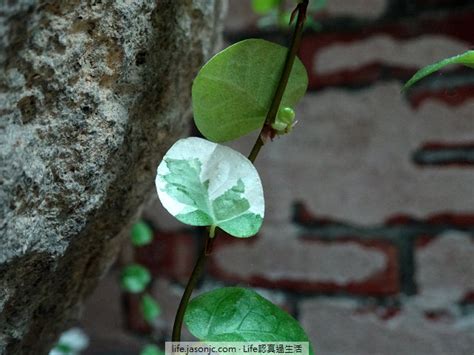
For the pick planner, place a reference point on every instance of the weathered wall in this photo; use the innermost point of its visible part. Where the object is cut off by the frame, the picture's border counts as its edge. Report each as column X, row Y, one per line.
column 91, row 94
column 368, row 233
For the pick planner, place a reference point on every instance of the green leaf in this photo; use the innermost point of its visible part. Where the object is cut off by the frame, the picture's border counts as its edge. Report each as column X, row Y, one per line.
column 141, row 234
column 150, row 308
column 206, row 184
column 151, row 349
column 63, row 349
column 135, row 278
column 71, row 342
column 466, row 59
column 261, row 7
column 234, row 90
column 235, row 314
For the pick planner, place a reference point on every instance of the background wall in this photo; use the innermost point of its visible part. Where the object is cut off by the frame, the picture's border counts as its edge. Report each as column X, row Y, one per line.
column 369, row 230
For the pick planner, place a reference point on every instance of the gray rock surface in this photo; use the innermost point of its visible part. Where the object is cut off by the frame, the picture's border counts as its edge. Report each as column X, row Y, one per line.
column 91, row 95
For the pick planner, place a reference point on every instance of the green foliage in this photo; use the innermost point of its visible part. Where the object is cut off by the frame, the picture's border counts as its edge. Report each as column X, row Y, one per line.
column 466, row 59
column 284, row 120
column 64, row 349
column 274, row 15
column 233, row 91
column 141, row 234
column 238, row 314
column 202, row 183
column 150, row 308
column 184, row 184
column 151, row 349
column 135, row 278
column 71, row 342
column 205, row 184
column 264, row 6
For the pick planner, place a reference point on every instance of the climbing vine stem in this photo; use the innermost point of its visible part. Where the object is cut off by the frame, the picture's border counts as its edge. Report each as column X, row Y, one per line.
column 194, row 278
column 266, row 131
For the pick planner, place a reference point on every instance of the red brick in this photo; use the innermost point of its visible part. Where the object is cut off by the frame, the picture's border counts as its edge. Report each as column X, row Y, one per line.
column 438, row 316
column 304, row 217
column 399, row 219
column 172, row 255
column 469, row 298
column 382, row 313
column 381, row 282
column 423, row 240
column 444, row 145
column 133, row 316
column 455, row 220
column 452, row 97
column 224, row 239
column 457, row 26
column 437, row 3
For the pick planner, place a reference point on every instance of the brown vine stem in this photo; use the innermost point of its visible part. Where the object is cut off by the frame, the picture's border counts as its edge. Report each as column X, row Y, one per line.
column 290, row 59
column 194, row 278
column 266, row 130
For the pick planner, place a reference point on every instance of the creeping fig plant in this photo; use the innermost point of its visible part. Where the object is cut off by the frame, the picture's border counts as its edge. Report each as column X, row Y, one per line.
column 466, row 58
column 136, row 278
column 253, row 84
column 206, row 184
column 233, row 91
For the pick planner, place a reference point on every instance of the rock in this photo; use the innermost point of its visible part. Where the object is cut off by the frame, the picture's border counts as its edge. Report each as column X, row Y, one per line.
column 91, row 95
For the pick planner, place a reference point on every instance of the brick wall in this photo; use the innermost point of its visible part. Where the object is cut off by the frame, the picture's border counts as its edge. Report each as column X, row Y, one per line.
column 369, row 230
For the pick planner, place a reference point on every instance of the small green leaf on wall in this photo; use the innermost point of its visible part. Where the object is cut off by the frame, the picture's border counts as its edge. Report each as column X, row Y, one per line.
column 236, row 314
column 233, row 91
column 466, row 59
column 206, row 184
column 150, row 308
column 263, row 6
column 135, row 278
column 71, row 342
column 151, row 349
column 62, row 349
column 141, row 234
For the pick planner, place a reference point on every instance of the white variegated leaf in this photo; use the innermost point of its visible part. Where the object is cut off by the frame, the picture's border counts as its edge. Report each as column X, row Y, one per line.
column 206, row 184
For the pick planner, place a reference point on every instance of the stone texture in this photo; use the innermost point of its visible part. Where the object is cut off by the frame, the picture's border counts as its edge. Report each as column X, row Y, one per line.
column 91, row 94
